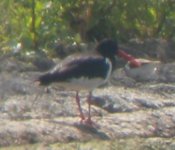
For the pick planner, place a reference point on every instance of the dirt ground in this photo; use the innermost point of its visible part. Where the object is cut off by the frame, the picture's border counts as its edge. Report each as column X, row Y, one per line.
column 136, row 110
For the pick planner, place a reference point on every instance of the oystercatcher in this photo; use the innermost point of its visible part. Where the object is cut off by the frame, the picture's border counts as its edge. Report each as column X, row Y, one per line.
column 86, row 72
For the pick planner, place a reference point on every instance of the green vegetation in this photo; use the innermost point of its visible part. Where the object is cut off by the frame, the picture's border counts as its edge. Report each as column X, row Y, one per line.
column 120, row 144
column 39, row 24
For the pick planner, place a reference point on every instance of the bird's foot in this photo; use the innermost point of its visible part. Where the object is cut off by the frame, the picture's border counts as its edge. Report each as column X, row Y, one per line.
column 82, row 117
column 87, row 122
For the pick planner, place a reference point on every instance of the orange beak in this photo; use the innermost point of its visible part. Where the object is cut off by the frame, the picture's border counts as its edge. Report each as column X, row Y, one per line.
column 133, row 62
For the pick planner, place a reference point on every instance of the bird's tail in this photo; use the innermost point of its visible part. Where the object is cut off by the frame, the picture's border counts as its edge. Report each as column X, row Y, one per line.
column 45, row 79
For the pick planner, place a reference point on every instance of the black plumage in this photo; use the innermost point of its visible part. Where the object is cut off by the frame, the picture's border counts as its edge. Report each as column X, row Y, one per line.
column 87, row 67
column 92, row 70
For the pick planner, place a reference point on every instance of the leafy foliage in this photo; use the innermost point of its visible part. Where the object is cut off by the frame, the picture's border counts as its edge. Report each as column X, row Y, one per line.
column 40, row 24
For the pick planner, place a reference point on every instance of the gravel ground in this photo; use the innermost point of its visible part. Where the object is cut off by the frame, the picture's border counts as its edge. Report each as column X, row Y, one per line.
column 136, row 105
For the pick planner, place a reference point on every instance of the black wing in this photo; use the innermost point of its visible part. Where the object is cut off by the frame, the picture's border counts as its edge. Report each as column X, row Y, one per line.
column 88, row 67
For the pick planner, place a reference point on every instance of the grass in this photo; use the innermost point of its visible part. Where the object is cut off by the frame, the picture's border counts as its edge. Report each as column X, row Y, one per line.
column 118, row 144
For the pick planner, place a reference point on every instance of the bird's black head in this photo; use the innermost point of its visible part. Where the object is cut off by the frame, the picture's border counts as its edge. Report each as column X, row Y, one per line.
column 107, row 48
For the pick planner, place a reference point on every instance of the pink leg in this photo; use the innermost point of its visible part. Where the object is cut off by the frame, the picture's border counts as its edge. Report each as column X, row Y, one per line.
column 89, row 121
column 79, row 106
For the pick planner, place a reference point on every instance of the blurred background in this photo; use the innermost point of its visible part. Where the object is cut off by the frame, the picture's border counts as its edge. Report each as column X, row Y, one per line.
column 137, row 111
column 42, row 25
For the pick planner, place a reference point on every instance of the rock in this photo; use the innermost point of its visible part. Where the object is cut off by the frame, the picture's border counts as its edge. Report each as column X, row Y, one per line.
column 130, row 108
column 147, row 72
column 152, row 72
column 167, row 72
